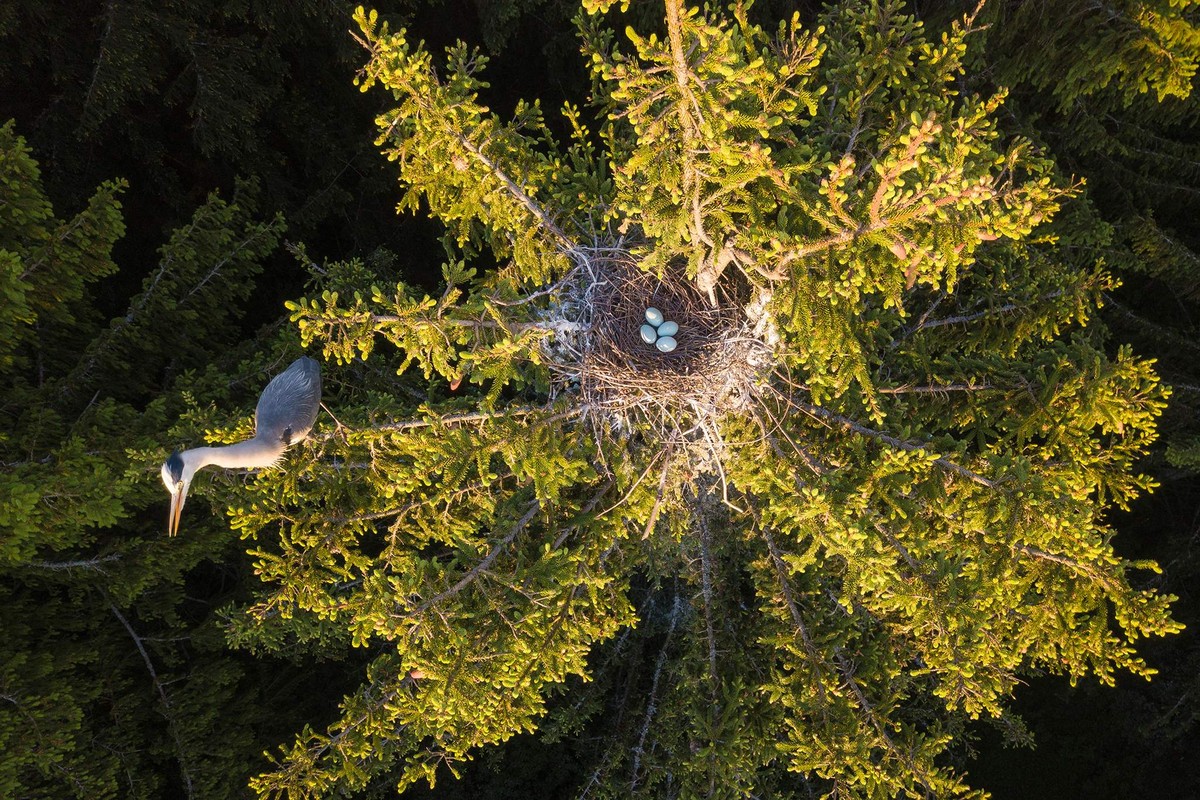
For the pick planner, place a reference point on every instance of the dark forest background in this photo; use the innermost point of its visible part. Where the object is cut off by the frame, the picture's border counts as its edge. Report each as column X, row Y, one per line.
column 242, row 158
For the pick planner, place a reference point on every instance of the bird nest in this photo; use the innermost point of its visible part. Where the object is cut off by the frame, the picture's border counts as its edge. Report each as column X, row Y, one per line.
column 600, row 353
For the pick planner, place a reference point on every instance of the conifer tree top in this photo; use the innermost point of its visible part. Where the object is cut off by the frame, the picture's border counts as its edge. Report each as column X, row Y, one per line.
column 861, row 497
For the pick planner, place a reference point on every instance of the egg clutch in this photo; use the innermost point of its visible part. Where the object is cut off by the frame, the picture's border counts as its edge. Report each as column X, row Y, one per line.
column 650, row 348
column 659, row 332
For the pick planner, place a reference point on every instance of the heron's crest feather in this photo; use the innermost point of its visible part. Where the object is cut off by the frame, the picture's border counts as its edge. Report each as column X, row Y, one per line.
column 174, row 466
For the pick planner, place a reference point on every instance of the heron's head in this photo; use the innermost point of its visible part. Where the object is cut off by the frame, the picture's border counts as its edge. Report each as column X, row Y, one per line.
column 176, row 478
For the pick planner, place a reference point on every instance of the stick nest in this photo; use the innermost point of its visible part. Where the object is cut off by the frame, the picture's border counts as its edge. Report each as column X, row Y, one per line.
column 598, row 347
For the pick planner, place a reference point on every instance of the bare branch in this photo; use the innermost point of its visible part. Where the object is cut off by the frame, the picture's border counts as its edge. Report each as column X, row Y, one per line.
column 551, row 326
column 459, row 419
column 162, row 693
column 962, row 319
column 90, row 563
column 706, row 589
column 658, row 498
column 651, row 703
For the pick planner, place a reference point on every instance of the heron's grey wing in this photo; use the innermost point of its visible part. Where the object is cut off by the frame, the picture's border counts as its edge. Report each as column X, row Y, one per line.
column 288, row 406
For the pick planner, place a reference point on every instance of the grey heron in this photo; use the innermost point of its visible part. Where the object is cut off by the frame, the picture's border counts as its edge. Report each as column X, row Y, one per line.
column 284, row 416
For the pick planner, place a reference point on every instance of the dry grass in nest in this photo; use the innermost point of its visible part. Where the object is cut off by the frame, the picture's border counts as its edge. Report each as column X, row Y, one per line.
column 712, row 370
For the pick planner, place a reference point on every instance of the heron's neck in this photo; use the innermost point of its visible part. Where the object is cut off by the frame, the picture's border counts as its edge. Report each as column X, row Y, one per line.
column 250, row 453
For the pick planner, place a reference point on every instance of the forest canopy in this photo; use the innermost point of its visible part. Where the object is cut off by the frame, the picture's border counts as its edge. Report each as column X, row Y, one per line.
column 808, row 548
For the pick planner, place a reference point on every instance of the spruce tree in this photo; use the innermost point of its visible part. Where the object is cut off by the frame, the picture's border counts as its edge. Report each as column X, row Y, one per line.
column 862, row 498
column 1108, row 89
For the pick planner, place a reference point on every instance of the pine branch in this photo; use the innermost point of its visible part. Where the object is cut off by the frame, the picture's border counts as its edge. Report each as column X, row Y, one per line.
column 780, row 272
column 43, row 744
column 47, row 249
column 682, row 71
column 932, row 585
column 962, row 319
column 101, row 57
column 566, row 245
column 689, row 117
column 1086, row 570
column 589, row 507
column 560, row 619
column 482, row 566
column 873, row 717
column 81, row 374
column 948, row 387
column 335, row 741
column 433, row 499
column 899, row 444
column 810, row 650
column 810, row 461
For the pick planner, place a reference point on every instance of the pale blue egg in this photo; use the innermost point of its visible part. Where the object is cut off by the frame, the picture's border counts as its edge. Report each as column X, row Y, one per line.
column 666, row 344
column 648, row 334
column 654, row 316
column 668, row 328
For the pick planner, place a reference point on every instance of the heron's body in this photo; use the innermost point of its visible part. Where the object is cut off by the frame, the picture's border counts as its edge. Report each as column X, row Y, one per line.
column 284, row 416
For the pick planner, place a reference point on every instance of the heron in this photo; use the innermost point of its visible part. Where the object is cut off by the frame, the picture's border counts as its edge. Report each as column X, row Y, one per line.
column 285, row 414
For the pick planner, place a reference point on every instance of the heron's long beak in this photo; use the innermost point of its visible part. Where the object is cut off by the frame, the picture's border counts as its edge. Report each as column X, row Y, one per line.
column 177, row 500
